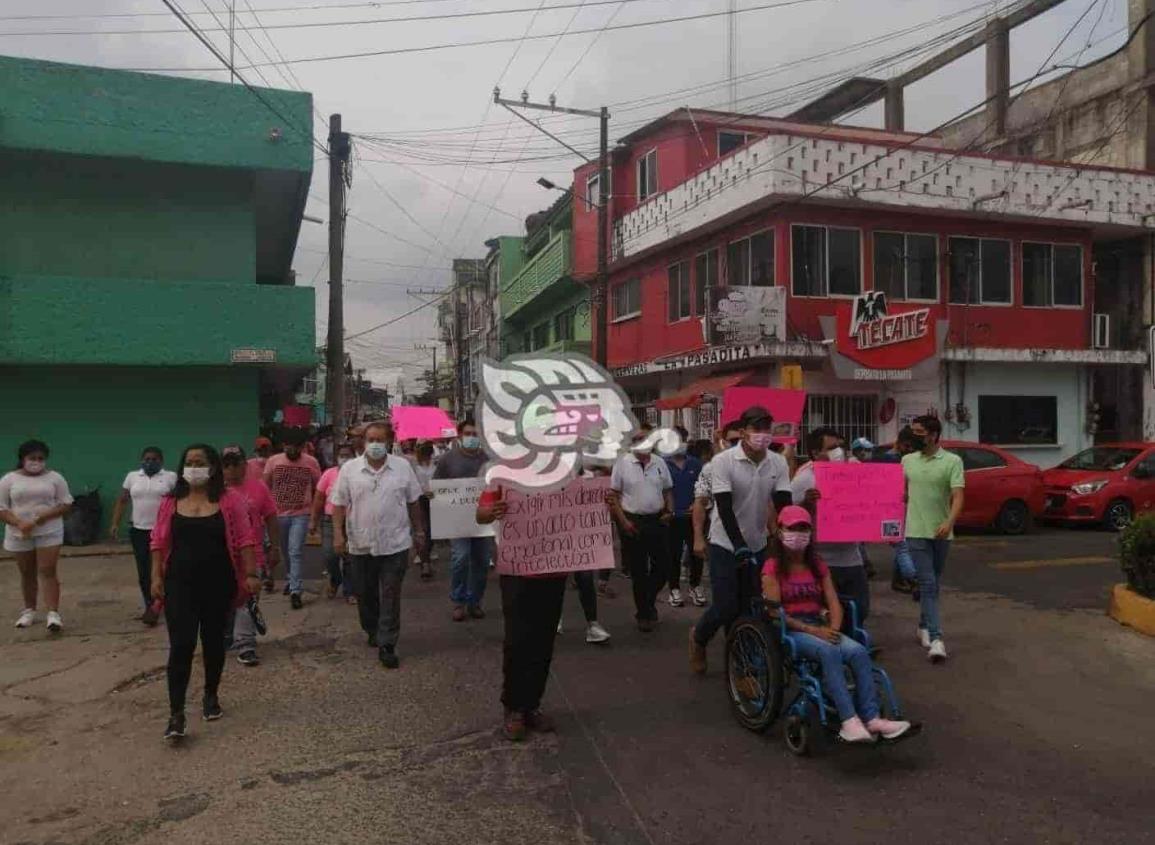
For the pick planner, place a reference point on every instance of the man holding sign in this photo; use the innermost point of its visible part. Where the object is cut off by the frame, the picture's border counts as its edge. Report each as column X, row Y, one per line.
column 469, row 557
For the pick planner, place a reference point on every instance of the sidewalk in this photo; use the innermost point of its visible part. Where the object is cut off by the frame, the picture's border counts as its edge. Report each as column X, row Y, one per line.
column 94, row 550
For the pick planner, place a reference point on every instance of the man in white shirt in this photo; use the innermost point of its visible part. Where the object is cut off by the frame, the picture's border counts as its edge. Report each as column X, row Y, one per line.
column 748, row 483
column 643, row 509
column 375, row 518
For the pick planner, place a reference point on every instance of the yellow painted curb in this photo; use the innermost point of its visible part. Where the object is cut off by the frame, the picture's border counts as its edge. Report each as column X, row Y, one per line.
column 1129, row 608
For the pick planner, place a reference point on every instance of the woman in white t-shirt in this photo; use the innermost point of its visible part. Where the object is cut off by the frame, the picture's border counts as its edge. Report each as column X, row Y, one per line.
column 33, row 501
column 144, row 487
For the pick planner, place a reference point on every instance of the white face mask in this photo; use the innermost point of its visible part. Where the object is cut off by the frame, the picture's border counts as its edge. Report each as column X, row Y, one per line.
column 197, row 476
column 376, row 451
column 837, row 455
column 33, row 467
column 760, row 439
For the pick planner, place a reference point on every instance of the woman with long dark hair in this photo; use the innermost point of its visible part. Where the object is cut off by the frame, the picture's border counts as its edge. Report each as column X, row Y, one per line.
column 33, row 501
column 796, row 577
column 203, row 566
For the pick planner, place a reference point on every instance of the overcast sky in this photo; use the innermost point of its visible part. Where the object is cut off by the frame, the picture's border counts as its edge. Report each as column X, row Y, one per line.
column 422, row 109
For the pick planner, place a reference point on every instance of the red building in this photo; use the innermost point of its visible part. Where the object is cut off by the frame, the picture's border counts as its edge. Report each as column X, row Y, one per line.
column 741, row 244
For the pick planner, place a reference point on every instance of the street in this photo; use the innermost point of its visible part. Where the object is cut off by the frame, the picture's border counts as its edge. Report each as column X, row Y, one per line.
column 1036, row 729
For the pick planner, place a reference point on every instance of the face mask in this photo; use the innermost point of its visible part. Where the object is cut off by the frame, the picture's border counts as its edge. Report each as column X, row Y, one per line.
column 471, row 441
column 197, row 476
column 796, row 541
column 33, row 467
column 342, row 461
column 680, row 451
column 918, row 443
column 151, row 466
column 836, row 455
column 760, row 439
column 376, row 451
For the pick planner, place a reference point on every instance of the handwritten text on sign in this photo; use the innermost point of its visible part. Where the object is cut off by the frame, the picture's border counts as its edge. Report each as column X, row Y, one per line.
column 564, row 531
column 453, row 509
column 861, row 503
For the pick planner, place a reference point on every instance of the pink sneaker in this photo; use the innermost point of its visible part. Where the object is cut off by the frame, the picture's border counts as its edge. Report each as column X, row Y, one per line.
column 887, row 728
column 854, row 731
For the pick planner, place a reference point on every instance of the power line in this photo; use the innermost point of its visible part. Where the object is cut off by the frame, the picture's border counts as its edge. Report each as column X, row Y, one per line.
column 373, row 4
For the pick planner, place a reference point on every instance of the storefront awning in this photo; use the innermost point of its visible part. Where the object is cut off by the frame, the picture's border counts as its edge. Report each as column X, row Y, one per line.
column 691, row 396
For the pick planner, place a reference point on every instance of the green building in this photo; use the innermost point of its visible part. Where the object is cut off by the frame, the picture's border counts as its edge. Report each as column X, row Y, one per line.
column 542, row 306
column 147, row 230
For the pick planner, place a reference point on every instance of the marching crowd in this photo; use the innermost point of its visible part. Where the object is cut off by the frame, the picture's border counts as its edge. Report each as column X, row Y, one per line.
column 208, row 538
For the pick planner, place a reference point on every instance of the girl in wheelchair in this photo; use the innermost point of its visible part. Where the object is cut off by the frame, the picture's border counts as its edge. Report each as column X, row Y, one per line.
column 795, row 578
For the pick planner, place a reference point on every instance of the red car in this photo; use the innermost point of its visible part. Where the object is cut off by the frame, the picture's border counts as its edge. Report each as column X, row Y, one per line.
column 1002, row 490
column 1108, row 484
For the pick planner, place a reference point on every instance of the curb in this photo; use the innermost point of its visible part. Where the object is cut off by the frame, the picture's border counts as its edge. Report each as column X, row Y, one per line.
column 1133, row 610
column 95, row 550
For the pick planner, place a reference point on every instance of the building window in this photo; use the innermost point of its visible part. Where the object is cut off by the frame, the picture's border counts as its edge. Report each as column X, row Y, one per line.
column 906, row 265
column 750, row 261
column 627, row 299
column 680, row 294
column 593, row 191
column 705, row 280
column 540, row 336
column 1019, row 420
column 980, row 271
column 647, row 175
column 850, row 416
column 1052, row 275
column 730, row 141
column 563, row 325
column 826, row 261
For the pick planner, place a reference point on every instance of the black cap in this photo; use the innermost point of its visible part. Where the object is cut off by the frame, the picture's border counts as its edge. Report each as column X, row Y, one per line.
column 757, row 417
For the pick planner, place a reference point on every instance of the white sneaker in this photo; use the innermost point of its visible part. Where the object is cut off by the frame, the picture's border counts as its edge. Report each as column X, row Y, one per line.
column 924, row 637
column 595, row 633
column 55, row 623
column 937, row 652
column 854, row 731
column 675, row 598
column 887, row 728
column 698, row 596
column 559, row 626
column 27, row 618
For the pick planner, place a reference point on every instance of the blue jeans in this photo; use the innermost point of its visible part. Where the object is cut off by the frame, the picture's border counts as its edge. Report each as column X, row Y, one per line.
column 726, row 582
column 469, row 569
column 293, row 532
column 832, row 658
column 903, row 562
column 929, row 562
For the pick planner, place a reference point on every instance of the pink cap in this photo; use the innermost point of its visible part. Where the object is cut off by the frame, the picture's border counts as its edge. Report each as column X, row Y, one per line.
column 794, row 515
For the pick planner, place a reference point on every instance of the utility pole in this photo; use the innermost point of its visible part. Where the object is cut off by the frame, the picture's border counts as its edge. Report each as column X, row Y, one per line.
column 598, row 293
column 232, row 40
column 335, row 348
column 436, row 384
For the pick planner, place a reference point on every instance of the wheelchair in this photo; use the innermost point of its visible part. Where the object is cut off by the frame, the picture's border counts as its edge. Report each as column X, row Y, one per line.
column 763, row 665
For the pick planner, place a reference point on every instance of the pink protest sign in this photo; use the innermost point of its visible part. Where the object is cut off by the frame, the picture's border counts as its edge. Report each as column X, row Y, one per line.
column 565, row 530
column 860, row 503
column 422, row 422
column 784, row 405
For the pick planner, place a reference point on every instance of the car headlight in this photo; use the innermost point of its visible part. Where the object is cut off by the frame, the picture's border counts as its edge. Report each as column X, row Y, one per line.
column 1089, row 487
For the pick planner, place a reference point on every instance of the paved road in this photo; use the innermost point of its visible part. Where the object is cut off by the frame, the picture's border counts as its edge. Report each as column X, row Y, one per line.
column 1036, row 731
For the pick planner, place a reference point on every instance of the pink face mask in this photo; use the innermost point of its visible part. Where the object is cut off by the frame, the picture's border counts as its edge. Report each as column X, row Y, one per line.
column 760, row 439
column 796, row 541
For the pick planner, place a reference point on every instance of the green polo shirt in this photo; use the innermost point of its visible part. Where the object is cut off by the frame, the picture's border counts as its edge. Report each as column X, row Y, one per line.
column 929, row 482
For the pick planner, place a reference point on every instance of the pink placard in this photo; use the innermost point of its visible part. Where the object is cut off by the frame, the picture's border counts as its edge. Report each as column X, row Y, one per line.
column 566, row 530
column 860, row 503
column 784, row 405
column 422, row 422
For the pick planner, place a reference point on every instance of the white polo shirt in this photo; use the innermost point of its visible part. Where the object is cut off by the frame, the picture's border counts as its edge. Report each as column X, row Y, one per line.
column 753, row 486
column 377, row 505
column 641, row 487
column 146, row 493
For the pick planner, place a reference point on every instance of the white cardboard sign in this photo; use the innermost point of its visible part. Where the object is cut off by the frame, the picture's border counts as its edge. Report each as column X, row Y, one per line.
column 453, row 509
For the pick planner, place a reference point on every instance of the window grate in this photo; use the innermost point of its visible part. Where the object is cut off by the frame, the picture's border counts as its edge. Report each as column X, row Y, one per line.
column 851, row 416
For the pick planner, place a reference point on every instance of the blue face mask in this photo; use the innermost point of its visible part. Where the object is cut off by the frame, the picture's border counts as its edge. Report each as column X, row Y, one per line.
column 470, row 441
column 150, row 466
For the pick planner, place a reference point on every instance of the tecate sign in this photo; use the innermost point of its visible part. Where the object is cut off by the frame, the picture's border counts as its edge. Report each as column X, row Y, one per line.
column 880, row 338
column 249, row 355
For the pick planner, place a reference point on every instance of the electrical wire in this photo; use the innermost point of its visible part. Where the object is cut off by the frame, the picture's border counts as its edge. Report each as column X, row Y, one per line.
column 372, row 4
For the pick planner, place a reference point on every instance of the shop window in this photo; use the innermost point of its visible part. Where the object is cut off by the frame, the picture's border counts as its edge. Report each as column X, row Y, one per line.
column 647, row 175
column 1019, row 420
column 730, row 141
column 850, row 416
column 906, row 265
column 705, row 279
column 750, row 261
column 826, row 261
column 980, row 271
column 679, row 291
column 563, row 325
column 540, row 336
column 627, row 299
column 1052, row 275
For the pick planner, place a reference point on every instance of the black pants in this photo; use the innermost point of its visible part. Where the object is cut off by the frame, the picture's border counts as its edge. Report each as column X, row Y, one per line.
column 531, row 608
column 587, row 594
column 850, row 582
column 646, row 555
column 190, row 607
column 682, row 543
column 378, row 582
column 139, row 538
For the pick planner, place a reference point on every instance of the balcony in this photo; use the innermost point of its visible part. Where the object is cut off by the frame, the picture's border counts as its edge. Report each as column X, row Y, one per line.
column 552, row 263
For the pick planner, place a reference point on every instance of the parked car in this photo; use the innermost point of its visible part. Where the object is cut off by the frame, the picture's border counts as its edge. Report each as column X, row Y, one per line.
column 1106, row 484
column 1003, row 491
